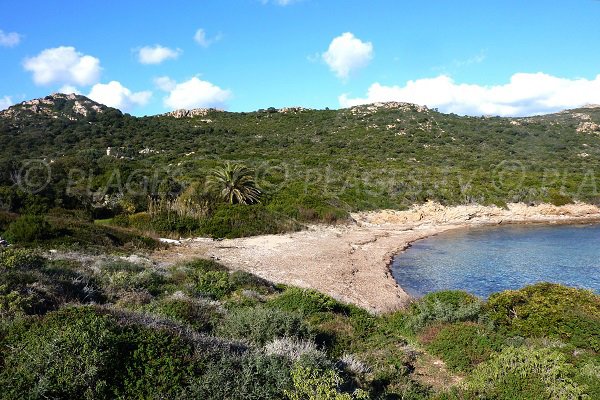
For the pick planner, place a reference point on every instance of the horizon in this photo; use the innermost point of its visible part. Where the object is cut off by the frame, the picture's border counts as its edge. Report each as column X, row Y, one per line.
column 585, row 106
column 465, row 58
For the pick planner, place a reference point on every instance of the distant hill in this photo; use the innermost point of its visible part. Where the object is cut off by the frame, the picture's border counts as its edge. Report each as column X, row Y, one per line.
column 371, row 156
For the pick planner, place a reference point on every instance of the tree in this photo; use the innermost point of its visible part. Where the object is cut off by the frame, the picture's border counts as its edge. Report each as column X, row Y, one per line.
column 235, row 184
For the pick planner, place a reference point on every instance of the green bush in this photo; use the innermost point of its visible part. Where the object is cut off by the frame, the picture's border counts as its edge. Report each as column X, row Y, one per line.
column 314, row 384
column 214, row 284
column 307, row 301
column 120, row 278
column 246, row 280
column 68, row 354
column 524, row 373
column 200, row 315
column 239, row 220
column 549, row 310
column 462, row 346
column 261, row 325
column 249, row 376
column 445, row 306
column 29, row 228
column 23, row 259
column 155, row 364
column 204, row 265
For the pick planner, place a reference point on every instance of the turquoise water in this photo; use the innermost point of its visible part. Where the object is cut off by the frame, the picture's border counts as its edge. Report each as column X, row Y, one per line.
column 487, row 260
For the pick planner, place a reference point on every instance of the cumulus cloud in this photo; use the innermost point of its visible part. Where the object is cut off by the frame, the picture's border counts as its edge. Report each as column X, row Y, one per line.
column 156, row 54
column 525, row 94
column 114, row 94
column 9, row 39
column 346, row 54
column 63, row 65
column 165, row 83
column 203, row 40
column 68, row 89
column 194, row 93
column 5, row 102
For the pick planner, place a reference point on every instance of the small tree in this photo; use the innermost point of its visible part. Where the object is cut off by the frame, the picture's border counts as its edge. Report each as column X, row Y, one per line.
column 234, row 183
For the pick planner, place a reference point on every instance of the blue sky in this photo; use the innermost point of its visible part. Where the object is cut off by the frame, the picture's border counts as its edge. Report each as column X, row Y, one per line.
column 147, row 57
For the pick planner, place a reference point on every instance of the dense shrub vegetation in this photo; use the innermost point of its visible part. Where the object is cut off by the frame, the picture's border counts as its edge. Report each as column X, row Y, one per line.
column 81, row 318
column 127, row 328
column 181, row 175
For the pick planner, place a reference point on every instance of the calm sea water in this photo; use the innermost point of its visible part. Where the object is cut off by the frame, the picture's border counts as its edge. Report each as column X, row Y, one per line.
column 487, row 260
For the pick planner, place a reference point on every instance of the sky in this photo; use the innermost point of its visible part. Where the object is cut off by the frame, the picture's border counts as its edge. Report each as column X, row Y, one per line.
column 508, row 58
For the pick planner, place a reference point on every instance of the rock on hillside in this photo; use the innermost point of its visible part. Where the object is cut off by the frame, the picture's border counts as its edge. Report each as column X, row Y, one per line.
column 57, row 105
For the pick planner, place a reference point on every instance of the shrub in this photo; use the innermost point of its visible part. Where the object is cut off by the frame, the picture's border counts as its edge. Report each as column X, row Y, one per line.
column 313, row 384
column 156, row 364
column 524, row 373
column 307, row 301
column 241, row 377
column 198, row 314
column 445, row 306
column 246, row 280
column 23, row 259
column 240, row 220
column 547, row 309
column 464, row 345
column 261, row 325
column 204, row 265
column 29, row 228
column 69, row 354
column 214, row 284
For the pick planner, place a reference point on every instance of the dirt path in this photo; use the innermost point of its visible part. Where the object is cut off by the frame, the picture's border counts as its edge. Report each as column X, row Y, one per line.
column 351, row 262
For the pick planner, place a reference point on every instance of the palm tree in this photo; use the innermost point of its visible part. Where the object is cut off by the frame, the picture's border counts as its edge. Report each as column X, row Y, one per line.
column 234, row 183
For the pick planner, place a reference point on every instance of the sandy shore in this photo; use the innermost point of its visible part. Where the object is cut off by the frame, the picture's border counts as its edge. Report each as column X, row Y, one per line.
column 351, row 262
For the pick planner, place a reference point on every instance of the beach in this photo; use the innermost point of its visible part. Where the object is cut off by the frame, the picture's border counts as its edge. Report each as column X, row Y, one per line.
column 350, row 262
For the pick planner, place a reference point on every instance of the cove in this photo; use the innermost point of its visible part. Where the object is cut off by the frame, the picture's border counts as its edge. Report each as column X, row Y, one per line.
column 485, row 260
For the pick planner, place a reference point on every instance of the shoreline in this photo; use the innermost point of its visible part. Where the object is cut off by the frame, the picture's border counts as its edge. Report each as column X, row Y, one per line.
column 352, row 262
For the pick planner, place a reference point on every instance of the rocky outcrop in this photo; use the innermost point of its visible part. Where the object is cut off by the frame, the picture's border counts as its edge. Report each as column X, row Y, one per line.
column 56, row 105
column 436, row 214
column 588, row 127
column 196, row 112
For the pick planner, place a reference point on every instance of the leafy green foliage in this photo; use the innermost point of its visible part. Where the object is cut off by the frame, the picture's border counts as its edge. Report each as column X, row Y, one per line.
column 305, row 300
column 462, row 346
column 24, row 259
column 249, row 376
column 525, row 373
column 261, row 325
column 444, row 306
column 69, row 354
column 234, row 184
column 549, row 310
column 29, row 228
column 312, row 384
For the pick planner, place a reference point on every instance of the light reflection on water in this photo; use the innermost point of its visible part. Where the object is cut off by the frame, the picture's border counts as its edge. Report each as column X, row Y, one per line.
column 487, row 260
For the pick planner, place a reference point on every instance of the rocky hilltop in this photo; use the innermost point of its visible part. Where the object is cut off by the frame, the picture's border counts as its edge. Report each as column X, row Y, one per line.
column 57, row 105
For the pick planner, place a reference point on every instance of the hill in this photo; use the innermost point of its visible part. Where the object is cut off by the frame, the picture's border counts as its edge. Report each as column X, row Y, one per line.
column 311, row 164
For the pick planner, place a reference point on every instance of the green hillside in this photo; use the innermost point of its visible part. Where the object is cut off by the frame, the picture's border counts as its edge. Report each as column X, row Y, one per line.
column 310, row 164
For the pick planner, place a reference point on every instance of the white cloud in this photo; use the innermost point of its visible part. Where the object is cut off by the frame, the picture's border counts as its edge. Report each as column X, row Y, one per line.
column 9, row 39
column 156, row 54
column 165, row 83
column 525, row 94
column 346, row 54
column 5, row 102
column 68, row 89
column 203, row 40
column 63, row 65
column 114, row 94
column 196, row 93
